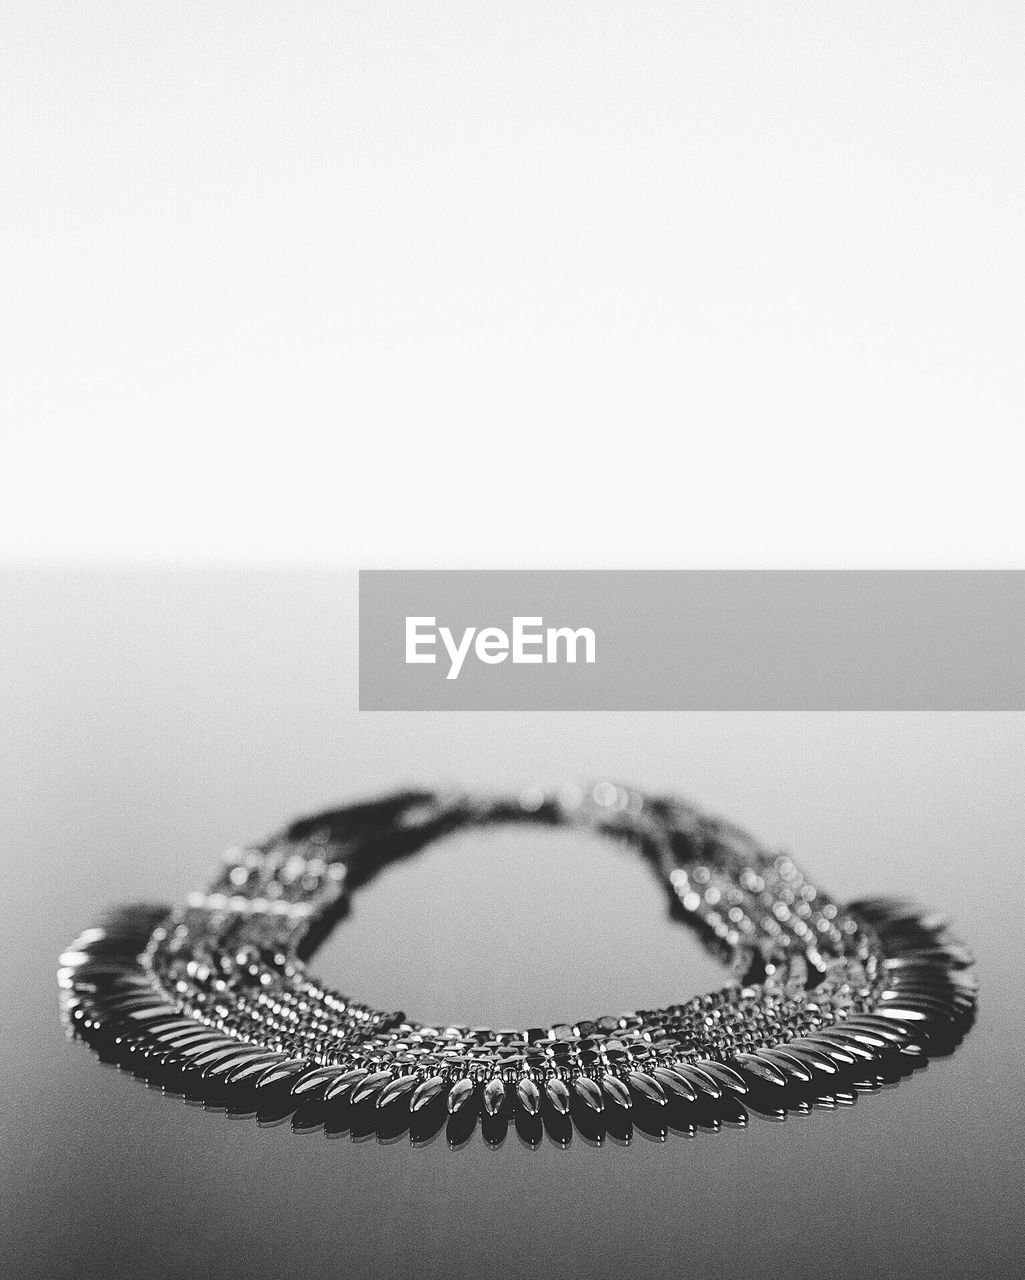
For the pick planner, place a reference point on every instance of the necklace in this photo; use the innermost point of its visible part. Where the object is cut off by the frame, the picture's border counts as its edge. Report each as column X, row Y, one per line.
column 215, row 996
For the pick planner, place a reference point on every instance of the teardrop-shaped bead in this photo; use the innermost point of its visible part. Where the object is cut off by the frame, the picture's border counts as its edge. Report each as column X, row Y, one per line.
column 793, row 1068
column 870, row 1039
column 675, row 1083
column 203, row 1061
column 558, row 1095
column 281, row 1074
column 369, row 1087
column 315, row 1082
column 170, row 1026
column 216, row 1070
column 397, row 1089
column 763, row 1071
column 813, row 1058
column 951, row 982
column 494, row 1095
column 912, row 965
column 703, row 1082
column 617, row 1091
column 723, row 1075
column 248, row 1071
column 143, row 1014
column 885, row 1026
column 528, row 1095
column 849, row 1041
column 183, row 1039
column 123, row 1000
column 200, row 1052
column 943, row 993
column 901, row 1013
column 426, row 1092
column 647, row 1088
column 344, row 1084
column 589, row 1092
column 832, row 1049
column 459, row 1095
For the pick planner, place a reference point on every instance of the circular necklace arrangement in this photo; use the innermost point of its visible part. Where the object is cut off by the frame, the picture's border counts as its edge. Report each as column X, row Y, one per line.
column 214, row 998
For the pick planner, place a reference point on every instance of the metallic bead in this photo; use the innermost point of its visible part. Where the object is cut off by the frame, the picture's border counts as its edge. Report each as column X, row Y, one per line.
column 675, row 1082
column 617, row 1091
column 558, row 1095
column 426, row 1092
column 589, row 1091
column 647, row 1088
column 397, row 1089
column 370, row 1086
column 760, row 1068
column 459, row 1095
column 528, row 1095
column 494, row 1095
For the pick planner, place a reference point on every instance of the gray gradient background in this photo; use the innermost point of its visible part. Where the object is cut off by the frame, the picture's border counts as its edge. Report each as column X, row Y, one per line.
column 149, row 719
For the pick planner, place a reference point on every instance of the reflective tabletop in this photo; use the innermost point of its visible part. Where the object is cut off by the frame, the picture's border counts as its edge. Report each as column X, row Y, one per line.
column 150, row 720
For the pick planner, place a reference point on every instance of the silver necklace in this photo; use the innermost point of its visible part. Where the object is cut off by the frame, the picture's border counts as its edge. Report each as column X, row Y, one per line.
column 215, row 996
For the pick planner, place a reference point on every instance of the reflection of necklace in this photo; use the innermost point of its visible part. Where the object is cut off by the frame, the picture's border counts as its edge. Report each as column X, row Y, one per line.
column 824, row 997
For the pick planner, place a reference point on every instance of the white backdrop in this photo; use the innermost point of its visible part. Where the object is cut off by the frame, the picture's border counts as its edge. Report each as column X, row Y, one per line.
column 488, row 283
